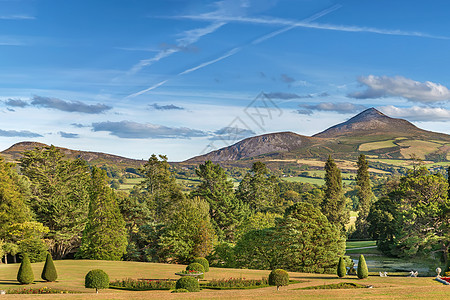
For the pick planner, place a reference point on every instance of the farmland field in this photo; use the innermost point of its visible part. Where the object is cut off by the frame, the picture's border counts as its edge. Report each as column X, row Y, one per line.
column 377, row 145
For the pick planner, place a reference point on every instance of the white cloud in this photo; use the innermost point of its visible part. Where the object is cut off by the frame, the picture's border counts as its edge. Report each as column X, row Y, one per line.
column 416, row 113
column 398, row 86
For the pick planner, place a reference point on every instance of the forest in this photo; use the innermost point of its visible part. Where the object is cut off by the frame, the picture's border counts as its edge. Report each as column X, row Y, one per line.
column 50, row 203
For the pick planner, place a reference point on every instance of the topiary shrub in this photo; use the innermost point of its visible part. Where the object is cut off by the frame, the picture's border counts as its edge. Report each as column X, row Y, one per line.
column 188, row 283
column 180, row 291
column 203, row 261
column 49, row 271
column 341, row 269
column 25, row 274
column 96, row 279
column 278, row 278
column 197, row 268
column 362, row 270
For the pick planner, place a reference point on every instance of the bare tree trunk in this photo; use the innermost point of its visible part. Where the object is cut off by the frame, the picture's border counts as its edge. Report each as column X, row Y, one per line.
column 15, row 258
column 6, row 259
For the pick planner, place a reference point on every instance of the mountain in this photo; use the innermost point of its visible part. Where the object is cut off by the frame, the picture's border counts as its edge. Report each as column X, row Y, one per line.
column 370, row 132
column 279, row 142
column 14, row 152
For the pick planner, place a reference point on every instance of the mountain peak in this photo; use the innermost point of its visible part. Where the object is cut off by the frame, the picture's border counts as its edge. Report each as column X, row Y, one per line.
column 370, row 121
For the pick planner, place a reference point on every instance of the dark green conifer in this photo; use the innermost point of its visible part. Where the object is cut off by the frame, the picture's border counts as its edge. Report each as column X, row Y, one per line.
column 333, row 205
column 49, row 272
column 362, row 270
column 364, row 195
column 341, row 270
column 104, row 236
column 25, row 274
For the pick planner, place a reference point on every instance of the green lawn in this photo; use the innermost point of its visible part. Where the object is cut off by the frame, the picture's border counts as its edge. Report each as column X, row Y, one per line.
column 71, row 277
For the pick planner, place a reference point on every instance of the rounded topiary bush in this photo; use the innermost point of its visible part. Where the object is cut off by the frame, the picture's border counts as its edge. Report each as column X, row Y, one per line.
column 197, row 268
column 341, row 269
column 49, row 271
column 278, row 278
column 203, row 261
column 188, row 283
column 362, row 270
column 96, row 279
column 25, row 274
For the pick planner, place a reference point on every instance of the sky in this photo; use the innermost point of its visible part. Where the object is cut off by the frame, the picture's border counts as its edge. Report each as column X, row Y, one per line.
column 182, row 78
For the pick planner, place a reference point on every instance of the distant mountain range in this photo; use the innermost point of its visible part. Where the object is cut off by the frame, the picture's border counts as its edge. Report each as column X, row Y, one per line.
column 370, row 132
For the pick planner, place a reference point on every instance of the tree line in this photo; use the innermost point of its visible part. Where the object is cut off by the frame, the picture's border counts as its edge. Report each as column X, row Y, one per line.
column 51, row 203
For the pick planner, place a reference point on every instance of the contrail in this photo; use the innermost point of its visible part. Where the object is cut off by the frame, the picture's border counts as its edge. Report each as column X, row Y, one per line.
column 238, row 49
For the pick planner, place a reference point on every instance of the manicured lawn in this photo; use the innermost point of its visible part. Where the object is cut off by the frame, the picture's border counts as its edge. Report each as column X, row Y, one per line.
column 72, row 272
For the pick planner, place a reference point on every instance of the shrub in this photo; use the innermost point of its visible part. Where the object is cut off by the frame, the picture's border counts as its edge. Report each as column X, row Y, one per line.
column 180, row 291
column 188, row 283
column 197, row 268
column 362, row 270
column 49, row 271
column 96, row 279
column 203, row 261
column 341, row 269
column 25, row 274
column 279, row 278
column 143, row 284
column 237, row 283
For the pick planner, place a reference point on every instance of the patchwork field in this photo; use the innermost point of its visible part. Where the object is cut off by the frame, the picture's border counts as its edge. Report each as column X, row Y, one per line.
column 377, row 145
column 71, row 277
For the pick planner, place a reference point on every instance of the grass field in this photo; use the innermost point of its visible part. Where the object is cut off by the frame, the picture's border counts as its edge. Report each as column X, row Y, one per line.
column 377, row 145
column 71, row 277
column 419, row 148
column 318, row 181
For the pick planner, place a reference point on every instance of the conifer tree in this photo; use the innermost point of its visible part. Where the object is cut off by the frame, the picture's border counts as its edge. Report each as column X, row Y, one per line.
column 364, row 195
column 362, row 270
column 226, row 210
column 341, row 269
column 25, row 274
column 105, row 235
column 49, row 272
column 333, row 204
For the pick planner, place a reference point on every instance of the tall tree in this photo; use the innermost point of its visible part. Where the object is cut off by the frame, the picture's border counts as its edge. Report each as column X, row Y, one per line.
column 159, row 189
column 188, row 232
column 364, row 195
column 105, row 235
column 333, row 204
column 259, row 190
column 60, row 197
column 225, row 209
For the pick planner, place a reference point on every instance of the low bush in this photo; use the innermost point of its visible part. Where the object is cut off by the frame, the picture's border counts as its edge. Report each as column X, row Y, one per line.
column 203, row 261
column 197, row 268
column 44, row 290
column 180, row 291
column 237, row 283
column 143, row 285
column 278, row 278
column 96, row 279
column 188, row 283
column 342, row 285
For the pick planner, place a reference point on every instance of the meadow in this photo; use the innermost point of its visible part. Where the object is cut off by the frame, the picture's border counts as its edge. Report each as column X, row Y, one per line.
column 71, row 277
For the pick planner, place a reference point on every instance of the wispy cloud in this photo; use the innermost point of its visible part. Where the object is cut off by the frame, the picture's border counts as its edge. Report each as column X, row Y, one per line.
column 15, row 133
column 235, row 50
column 417, row 113
column 384, row 86
column 288, row 96
column 134, row 130
column 16, row 103
column 69, row 106
column 165, row 107
column 232, row 134
column 11, row 41
column 68, row 135
column 339, row 107
column 16, row 17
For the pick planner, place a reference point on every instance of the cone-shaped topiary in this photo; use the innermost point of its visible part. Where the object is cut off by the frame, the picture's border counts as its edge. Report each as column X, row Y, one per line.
column 279, row 278
column 25, row 274
column 96, row 279
column 49, row 271
column 188, row 283
column 362, row 270
column 203, row 261
column 197, row 268
column 341, row 269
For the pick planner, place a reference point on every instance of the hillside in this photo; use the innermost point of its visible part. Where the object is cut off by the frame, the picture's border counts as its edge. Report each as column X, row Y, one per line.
column 370, row 132
column 14, row 152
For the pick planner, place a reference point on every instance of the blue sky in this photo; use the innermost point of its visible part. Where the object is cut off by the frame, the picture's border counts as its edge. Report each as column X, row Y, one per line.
column 182, row 78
